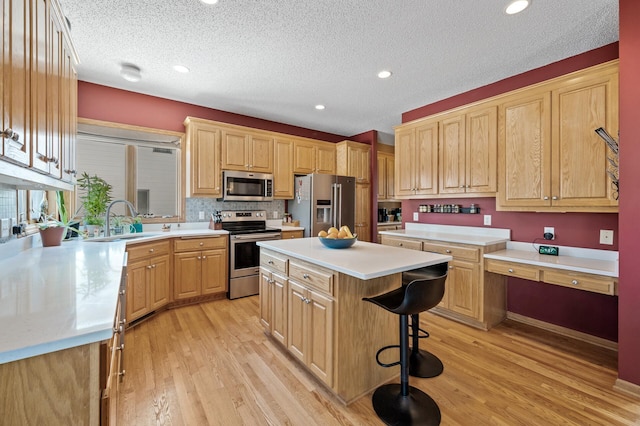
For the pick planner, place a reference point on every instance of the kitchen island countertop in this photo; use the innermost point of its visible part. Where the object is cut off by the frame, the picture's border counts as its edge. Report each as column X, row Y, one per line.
column 363, row 260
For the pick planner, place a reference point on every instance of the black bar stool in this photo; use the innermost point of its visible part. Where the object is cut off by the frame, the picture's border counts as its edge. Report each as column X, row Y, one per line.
column 422, row 363
column 401, row 404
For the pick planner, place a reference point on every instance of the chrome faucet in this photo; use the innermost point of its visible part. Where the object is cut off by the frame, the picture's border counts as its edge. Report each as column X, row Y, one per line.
column 132, row 209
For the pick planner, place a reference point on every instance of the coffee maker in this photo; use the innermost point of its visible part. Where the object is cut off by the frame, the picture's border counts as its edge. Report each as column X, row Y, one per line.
column 382, row 215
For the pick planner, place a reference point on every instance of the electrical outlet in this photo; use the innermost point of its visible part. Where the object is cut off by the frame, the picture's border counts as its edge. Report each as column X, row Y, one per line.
column 487, row 219
column 416, row 216
column 201, row 215
column 606, row 237
column 549, row 230
column 4, row 228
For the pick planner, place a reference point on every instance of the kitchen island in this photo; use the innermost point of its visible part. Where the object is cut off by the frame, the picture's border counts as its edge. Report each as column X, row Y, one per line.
column 311, row 304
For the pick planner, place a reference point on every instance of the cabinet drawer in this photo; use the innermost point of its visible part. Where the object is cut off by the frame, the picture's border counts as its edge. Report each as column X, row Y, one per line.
column 311, row 276
column 463, row 253
column 604, row 285
column 402, row 243
column 140, row 251
column 274, row 262
column 513, row 269
column 193, row 244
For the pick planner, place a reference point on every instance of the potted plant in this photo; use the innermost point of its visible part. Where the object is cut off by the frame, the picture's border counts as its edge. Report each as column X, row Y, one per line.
column 53, row 230
column 136, row 224
column 96, row 196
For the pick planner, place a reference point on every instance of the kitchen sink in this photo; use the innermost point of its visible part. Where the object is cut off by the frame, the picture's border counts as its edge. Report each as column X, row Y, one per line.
column 122, row 237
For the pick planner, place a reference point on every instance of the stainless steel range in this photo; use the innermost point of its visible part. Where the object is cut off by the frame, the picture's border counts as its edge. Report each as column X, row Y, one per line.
column 246, row 228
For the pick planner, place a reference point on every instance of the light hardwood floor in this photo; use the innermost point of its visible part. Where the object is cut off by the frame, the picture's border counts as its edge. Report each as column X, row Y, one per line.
column 211, row 364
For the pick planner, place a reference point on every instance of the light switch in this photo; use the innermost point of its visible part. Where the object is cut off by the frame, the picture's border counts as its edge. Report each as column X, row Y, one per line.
column 4, row 228
column 416, row 216
column 487, row 219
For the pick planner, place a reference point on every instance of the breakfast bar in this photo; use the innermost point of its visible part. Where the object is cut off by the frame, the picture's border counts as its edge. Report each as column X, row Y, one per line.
column 311, row 304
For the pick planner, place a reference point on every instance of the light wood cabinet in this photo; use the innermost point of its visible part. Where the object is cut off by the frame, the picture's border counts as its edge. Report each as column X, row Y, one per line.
column 203, row 151
column 283, row 169
column 468, row 151
column 310, row 329
column 314, row 157
column 386, row 176
column 288, row 234
column 416, row 160
column 200, row 266
column 112, row 365
column 149, row 279
column 273, row 295
column 353, row 159
column 550, row 158
column 40, row 101
column 248, row 151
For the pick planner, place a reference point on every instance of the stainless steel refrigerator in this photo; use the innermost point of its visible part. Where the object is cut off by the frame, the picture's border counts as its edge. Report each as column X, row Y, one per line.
column 322, row 201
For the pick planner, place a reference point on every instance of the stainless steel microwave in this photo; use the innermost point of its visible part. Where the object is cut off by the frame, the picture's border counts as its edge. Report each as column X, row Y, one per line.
column 247, row 186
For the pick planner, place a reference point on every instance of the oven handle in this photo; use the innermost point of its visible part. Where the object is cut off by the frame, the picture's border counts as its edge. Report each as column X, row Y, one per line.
column 274, row 236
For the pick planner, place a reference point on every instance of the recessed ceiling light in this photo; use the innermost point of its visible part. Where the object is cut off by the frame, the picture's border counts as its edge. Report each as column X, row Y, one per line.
column 209, row 1
column 181, row 68
column 130, row 72
column 319, row 106
column 516, row 6
column 384, row 74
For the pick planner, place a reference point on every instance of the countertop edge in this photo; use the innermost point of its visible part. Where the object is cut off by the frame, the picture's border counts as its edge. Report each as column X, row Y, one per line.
column 509, row 256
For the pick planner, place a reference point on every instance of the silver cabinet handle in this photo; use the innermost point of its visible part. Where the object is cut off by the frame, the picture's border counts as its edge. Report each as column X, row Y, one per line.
column 447, row 251
column 148, row 266
column 574, row 282
column 121, row 347
column 151, row 250
column 270, row 262
column 199, row 257
column 118, row 329
column 204, row 257
column 305, row 276
column 545, row 198
column 122, row 292
column 450, row 267
column 400, row 244
column 201, row 243
column 9, row 133
column 554, row 198
column 510, row 270
column 122, row 373
column 123, row 321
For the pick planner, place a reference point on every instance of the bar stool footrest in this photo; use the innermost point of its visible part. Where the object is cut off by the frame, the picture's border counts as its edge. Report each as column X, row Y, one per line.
column 384, row 348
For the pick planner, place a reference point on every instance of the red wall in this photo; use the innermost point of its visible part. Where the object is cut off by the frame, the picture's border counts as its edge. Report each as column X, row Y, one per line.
column 629, row 292
column 120, row 106
column 590, row 313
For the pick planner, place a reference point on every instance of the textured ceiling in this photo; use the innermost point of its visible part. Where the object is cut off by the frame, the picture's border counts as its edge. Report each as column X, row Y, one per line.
column 276, row 59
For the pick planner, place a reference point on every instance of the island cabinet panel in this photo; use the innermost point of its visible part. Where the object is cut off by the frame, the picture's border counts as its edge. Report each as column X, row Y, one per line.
column 325, row 325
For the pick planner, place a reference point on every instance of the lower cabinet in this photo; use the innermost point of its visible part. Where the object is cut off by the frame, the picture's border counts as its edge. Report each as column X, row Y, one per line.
column 310, row 330
column 149, row 278
column 199, row 267
column 471, row 296
column 273, row 304
column 112, row 366
column 288, row 234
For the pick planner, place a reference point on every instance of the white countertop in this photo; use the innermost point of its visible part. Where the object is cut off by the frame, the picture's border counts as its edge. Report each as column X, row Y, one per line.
column 55, row 298
column 590, row 261
column 362, row 260
column 452, row 234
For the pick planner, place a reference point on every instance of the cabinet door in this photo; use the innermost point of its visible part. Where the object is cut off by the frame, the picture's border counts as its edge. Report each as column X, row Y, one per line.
column 261, row 154
column 406, row 162
column 481, row 152
column 304, row 157
column 266, row 299
column 452, row 155
column 382, row 176
column 363, row 212
column 283, row 170
column 16, row 67
column 235, row 150
column 320, row 329
column 358, row 167
column 426, row 159
column 186, row 275
column 296, row 320
column 524, row 152
column 214, row 271
column 579, row 157
column 279, row 308
column 206, row 175
column 137, row 290
column 68, row 114
column 463, row 287
column 325, row 159
column 49, row 160
column 159, row 282
column 390, row 177
column 39, row 62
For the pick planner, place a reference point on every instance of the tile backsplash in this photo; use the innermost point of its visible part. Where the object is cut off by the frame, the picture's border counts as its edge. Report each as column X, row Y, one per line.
column 8, row 206
column 207, row 205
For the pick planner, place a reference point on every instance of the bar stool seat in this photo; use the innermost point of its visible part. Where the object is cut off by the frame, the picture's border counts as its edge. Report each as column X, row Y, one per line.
column 401, row 404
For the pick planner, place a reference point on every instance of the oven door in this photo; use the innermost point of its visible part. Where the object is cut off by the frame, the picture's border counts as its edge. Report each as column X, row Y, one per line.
column 244, row 259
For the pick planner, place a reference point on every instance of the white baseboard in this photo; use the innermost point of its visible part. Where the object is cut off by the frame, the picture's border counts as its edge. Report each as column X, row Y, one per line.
column 598, row 341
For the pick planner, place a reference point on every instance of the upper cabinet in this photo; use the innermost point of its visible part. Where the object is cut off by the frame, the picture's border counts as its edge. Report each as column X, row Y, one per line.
column 386, row 171
column 468, row 151
column 248, row 151
column 416, row 163
column 39, row 105
column 353, row 159
column 283, row 169
column 203, row 152
column 550, row 158
column 314, row 157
